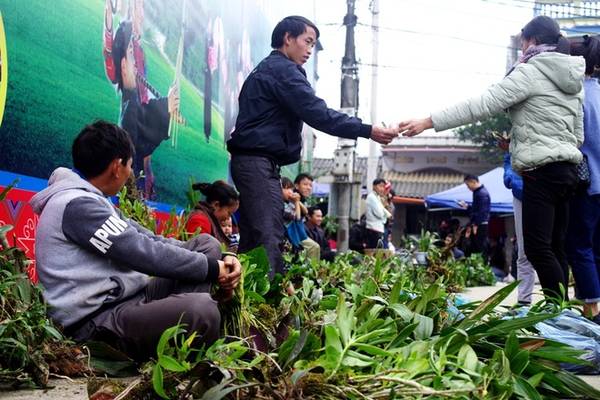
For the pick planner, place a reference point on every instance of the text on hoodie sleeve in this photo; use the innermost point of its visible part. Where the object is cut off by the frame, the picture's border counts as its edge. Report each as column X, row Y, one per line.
column 95, row 226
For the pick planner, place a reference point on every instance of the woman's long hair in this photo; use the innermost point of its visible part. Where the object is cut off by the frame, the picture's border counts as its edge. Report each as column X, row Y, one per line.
column 545, row 30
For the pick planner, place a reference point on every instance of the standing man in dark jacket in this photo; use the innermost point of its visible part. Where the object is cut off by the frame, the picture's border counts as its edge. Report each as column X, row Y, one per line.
column 275, row 100
column 480, row 214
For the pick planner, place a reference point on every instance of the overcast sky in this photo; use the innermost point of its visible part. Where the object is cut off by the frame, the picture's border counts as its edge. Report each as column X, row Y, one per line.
column 458, row 49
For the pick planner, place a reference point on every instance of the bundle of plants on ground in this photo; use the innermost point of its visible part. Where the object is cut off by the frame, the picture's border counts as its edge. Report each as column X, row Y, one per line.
column 31, row 348
column 362, row 328
column 436, row 257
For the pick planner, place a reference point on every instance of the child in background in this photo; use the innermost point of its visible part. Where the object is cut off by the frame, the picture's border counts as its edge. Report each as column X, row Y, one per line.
column 292, row 219
column 234, row 238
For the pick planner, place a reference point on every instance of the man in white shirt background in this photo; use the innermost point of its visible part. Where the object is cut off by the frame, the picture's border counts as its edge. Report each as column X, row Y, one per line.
column 377, row 215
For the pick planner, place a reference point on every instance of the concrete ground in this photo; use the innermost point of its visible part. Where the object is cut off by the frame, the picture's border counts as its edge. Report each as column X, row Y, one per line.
column 76, row 389
column 62, row 390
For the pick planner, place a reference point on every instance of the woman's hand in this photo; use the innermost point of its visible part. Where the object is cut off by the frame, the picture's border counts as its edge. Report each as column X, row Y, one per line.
column 413, row 127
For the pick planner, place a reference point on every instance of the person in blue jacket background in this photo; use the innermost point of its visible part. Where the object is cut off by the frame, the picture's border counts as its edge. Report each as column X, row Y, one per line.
column 525, row 272
column 583, row 234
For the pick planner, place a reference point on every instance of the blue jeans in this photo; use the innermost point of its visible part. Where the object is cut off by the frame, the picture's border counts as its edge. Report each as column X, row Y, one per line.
column 583, row 246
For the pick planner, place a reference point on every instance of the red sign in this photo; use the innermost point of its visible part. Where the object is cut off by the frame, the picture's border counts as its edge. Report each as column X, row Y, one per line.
column 16, row 211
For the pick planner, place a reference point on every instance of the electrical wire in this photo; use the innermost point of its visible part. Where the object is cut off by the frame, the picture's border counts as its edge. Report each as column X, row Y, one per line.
column 425, row 69
column 461, row 11
column 462, row 39
column 414, row 32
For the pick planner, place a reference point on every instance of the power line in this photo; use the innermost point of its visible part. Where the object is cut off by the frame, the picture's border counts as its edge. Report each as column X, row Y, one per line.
column 482, row 43
column 462, row 39
column 463, row 12
column 427, row 69
column 414, row 32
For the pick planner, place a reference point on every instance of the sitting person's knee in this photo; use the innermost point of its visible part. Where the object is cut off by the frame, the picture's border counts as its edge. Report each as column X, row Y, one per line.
column 201, row 314
column 206, row 244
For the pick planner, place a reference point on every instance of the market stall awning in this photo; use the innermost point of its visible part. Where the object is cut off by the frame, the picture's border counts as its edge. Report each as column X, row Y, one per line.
column 501, row 197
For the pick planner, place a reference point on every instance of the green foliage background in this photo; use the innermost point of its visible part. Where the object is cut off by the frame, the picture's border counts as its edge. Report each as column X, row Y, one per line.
column 480, row 133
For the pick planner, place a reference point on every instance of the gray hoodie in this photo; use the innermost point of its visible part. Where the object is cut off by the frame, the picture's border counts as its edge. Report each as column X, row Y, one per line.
column 88, row 254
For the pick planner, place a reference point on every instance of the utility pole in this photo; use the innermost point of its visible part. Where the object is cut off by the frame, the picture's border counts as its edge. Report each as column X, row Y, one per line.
column 373, row 146
column 512, row 54
column 344, row 155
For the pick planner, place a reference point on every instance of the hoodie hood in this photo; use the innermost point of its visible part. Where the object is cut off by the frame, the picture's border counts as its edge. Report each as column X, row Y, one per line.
column 62, row 179
column 566, row 72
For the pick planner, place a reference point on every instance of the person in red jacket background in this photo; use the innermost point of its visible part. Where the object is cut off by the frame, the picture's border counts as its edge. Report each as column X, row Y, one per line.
column 221, row 201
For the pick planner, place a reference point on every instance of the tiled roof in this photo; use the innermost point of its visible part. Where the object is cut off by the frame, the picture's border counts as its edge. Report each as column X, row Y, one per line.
column 421, row 184
column 414, row 184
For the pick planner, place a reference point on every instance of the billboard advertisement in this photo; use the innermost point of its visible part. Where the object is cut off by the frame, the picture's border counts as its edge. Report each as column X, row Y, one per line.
column 169, row 72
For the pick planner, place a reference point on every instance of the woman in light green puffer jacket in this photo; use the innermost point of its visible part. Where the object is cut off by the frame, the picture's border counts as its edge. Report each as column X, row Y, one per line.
column 543, row 94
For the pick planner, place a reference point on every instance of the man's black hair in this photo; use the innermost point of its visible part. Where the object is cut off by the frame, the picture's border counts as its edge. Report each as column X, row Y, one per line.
column 301, row 177
column 286, row 183
column 97, row 145
column 470, row 177
column 295, row 25
column 119, row 48
column 378, row 181
column 312, row 209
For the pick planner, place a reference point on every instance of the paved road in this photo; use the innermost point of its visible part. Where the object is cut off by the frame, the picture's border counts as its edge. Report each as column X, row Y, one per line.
column 63, row 390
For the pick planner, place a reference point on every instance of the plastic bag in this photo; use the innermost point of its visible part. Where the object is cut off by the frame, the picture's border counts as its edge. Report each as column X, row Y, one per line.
column 579, row 333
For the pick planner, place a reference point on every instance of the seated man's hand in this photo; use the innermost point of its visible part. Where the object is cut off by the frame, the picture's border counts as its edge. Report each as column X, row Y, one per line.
column 230, row 273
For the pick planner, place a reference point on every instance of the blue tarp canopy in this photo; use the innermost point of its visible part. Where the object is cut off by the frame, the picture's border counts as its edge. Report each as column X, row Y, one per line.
column 493, row 181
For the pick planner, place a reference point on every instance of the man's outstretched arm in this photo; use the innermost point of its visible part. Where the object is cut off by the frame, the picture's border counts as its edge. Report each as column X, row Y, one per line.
column 297, row 94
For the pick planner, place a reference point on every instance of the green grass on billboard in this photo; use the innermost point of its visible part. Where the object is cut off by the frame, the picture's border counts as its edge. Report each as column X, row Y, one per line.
column 57, row 85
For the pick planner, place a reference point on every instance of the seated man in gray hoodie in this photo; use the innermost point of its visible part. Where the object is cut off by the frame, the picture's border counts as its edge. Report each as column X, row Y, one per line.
column 105, row 277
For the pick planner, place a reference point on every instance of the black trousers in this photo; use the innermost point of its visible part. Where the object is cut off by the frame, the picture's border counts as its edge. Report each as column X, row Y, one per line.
column 546, row 193
column 374, row 239
column 261, row 206
column 135, row 325
column 480, row 242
